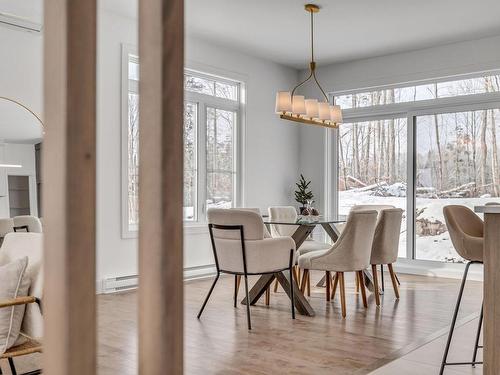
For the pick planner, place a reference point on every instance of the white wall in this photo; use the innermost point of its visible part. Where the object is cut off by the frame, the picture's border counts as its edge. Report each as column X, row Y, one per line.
column 271, row 146
column 448, row 60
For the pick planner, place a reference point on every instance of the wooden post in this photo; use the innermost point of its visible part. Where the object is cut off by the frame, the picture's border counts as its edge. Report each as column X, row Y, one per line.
column 69, row 197
column 161, row 41
column 491, row 328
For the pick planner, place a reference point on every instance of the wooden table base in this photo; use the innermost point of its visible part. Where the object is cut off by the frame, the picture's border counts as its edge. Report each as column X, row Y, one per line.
column 301, row 304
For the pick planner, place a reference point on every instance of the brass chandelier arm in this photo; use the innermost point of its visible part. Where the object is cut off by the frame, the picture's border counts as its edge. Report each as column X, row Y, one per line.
column 25, row 107
column 312, row 64
column 321, row 88
column 301, row 83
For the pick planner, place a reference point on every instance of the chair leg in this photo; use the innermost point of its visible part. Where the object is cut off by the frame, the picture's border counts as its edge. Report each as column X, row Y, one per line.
column 356, row 277
column 304, row 280
column 248, row 303
column 382, row 277
column 454, row 320
column 335, row 283
column 328, row 285
column 12, row 366
column 292, row 296
column 362, row 287
column 237, row 280
column 208, row 295
column 478, row 334
column 342, row 293
column 394, row 281
column 276, row 283
column 268, row 296
column 298, row 273
column 376, row 291
column 309, row 284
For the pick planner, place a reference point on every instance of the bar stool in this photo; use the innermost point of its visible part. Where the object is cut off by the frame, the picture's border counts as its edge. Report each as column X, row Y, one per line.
column 467, row 235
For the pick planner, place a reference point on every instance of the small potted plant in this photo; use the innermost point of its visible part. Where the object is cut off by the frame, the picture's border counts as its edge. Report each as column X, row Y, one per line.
column 303, row 194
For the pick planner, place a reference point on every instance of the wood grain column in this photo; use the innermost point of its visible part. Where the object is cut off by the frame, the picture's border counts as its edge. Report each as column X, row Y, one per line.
column 161, row 41
column 491, row 328
column 68, row 161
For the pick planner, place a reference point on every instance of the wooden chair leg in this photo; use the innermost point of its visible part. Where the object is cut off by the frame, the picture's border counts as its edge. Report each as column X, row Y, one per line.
column 362, row 287
column 304, row 280
column 394, row 280
column 276, row 283
column 357, row 282
column 335, row 283
column 342, row 293
column 299, row 271
column 328, row 283
column 296, row 274
column 268, row 295
column 376, row 290
column 309, row 284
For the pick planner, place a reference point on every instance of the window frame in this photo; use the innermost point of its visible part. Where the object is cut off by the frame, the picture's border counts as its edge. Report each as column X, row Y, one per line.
column 410, row 110
column 203, row 101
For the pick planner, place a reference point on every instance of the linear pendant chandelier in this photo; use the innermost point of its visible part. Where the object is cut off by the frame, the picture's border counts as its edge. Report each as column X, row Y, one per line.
column 308, row 111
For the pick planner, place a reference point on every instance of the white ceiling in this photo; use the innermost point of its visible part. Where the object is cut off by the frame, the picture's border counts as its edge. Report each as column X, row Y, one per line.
column 345, row 29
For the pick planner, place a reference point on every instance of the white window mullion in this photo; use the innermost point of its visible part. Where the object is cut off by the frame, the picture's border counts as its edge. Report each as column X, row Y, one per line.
column 202, row 162
column 410, row 187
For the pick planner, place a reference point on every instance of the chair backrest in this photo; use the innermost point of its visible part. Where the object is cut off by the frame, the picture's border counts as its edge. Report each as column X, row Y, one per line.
column 19, row 245
column 227, row 244
column 256, row 210
column 283, row 213
column 386, row 238
column 462, row 221
column 352, row 250
column 376, row 207
column 32, row 222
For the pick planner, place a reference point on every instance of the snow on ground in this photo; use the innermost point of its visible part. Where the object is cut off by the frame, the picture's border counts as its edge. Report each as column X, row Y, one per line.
column 438, row 247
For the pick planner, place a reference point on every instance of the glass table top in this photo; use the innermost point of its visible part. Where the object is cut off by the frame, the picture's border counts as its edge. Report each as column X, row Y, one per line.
column 307, row 220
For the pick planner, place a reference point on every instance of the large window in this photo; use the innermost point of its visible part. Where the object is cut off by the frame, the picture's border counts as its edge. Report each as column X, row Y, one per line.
column 457, row 163
column 449, row 130
column 211, row 138
column 372, row 166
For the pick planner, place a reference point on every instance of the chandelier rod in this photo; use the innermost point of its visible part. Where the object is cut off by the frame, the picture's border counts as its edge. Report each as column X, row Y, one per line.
column 312, row 64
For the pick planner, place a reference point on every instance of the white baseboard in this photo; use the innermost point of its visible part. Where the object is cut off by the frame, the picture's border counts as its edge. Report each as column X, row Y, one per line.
column 446, row 270
column 131, row 282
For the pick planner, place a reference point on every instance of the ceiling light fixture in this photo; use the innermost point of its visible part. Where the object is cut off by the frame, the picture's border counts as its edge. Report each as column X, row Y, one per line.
column 308, row 111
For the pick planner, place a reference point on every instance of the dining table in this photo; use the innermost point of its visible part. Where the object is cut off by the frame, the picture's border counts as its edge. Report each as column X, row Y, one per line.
column 305, row 225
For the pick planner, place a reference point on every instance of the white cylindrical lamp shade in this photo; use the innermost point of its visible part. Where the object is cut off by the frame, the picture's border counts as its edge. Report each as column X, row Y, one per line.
column 324, row 111
column 283, row 102
column 312, row 110
column 336, row 114
column 298, row 105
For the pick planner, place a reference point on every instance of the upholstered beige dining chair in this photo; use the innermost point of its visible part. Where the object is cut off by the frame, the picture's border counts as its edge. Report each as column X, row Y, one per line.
column 28, row 222
column 385, row 246
column 466, row 231
column 16, row 246
column 240, row 248
column 350, row 253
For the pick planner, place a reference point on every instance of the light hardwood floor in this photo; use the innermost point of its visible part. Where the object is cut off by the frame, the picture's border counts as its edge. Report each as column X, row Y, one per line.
column 326, row 344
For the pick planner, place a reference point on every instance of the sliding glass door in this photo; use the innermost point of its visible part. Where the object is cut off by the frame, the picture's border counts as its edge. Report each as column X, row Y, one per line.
column 457, row 162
